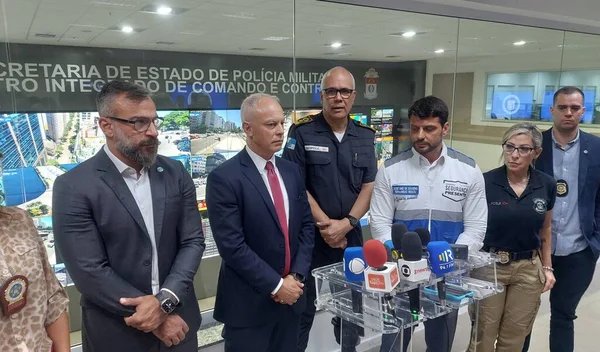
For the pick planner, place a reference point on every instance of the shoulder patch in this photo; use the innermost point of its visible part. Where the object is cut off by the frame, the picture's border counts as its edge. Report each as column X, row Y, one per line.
column 360, row 124
column 405, row 155
column 304, row 120
column 461, row 157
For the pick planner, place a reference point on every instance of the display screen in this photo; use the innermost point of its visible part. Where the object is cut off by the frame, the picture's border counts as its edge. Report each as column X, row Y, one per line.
column 382, row 121
column 362, row 118
column 512, row 104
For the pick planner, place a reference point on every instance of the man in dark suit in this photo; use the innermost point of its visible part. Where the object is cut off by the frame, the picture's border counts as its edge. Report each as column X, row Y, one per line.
column 263, row 228
column 571, row 157
column 127, row 224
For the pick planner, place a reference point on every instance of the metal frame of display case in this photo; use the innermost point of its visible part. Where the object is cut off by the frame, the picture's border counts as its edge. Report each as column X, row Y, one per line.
column 389, row 313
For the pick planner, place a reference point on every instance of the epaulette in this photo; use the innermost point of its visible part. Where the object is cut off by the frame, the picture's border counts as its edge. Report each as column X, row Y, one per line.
column 360, row 124
column 304, row 120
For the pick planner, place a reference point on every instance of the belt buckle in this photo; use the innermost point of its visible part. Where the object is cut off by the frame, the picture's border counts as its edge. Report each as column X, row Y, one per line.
column 504, row 257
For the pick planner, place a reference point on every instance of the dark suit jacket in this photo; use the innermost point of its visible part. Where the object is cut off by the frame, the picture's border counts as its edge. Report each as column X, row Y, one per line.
column 102, row 237
column 250, row 240
column 589, row 183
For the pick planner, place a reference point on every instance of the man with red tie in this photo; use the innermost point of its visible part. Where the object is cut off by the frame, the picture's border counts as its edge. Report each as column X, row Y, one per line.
column 262, row 224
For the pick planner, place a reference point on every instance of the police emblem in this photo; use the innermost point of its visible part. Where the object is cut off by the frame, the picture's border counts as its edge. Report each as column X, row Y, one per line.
column 562, row 188
column 14, row 295
column 539, row 205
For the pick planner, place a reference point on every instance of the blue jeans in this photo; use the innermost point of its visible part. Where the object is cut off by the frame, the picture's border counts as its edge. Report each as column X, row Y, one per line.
column 439, row 335
column 573, row 275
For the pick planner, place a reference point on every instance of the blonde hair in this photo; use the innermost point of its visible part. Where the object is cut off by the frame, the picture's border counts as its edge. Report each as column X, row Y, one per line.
column 525, row 128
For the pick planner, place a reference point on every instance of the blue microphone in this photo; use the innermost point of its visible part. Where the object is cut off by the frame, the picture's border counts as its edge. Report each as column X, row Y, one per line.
column 389, row 248
column 354, row 264
column 441, row 260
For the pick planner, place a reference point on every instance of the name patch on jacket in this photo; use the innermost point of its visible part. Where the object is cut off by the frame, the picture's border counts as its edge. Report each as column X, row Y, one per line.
column 404, row 192
column 316, row 148
column 455, row 190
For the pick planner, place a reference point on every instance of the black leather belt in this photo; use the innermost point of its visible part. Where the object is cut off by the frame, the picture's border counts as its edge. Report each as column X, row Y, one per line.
column 505, row 257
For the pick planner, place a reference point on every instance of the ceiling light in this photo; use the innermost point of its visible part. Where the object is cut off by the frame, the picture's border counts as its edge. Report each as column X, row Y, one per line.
column 520, row 42
column 276, row 39
column 164, row 10
column 336, row 45
column 439, row 51
column 409, row 34
column 127, row 29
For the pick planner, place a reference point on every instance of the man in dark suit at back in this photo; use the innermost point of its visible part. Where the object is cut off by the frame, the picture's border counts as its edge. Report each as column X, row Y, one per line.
column 127, row 224
column 262, row 225
column 571, row 157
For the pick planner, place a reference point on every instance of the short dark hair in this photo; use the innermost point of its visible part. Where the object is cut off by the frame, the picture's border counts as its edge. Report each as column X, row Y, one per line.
column 113, row 89
column 430, row 106
column 568, row 90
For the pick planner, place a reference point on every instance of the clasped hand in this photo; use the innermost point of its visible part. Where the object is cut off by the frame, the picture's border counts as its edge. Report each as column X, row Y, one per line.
column 334, row 232
column 149, row 317
column 289, row 292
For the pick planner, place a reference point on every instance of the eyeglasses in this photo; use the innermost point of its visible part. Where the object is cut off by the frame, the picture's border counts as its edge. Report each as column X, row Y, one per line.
column 140, row 124
column 523, row 150
column 332, row 92
column 563, row 108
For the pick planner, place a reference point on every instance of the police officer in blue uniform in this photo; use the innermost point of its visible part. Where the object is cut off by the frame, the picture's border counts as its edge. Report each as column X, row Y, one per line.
column 337, row 157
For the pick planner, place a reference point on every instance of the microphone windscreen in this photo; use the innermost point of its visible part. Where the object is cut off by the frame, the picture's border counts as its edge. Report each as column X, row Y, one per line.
column 389, row 247
column 411, row 247
column 354, row 264
column 398, row 231
column 424, row 235
column 441, row 257
column 375, row 253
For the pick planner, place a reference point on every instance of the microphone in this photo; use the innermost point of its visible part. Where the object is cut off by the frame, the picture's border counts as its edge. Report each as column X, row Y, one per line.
column 398, row 231
column 354, row 264
column 380, row 275
column 389, row 248
column 354, row 267
column 413, row 267
column 441, row 258
column 425, row 237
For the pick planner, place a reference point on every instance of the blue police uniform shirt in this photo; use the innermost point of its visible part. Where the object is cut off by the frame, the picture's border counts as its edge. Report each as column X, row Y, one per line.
column 514, row 223
column 334, row 171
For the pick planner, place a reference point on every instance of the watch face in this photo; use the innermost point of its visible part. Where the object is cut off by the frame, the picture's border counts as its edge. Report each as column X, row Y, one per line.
column 168, row 306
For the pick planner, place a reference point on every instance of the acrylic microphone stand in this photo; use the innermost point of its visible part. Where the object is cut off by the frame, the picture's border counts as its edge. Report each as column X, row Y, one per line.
column 381, row 313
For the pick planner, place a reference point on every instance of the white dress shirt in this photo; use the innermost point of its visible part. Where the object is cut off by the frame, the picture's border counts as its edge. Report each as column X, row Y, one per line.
column 142, row 193
column 261, row 165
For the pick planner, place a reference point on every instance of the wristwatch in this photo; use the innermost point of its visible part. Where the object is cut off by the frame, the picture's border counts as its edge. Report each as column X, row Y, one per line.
column 353, row 220
column 167, row 303
column 298, row 277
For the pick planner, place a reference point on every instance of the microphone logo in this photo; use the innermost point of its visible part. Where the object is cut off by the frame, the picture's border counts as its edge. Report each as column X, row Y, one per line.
column 446, row 256
column 405, row 270
column 356, row 266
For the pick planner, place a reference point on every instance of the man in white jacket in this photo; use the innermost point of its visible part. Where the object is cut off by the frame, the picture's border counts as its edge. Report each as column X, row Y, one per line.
column 434, row 187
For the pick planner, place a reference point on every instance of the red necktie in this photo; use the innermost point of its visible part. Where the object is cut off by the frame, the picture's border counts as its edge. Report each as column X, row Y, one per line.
column 280, row 208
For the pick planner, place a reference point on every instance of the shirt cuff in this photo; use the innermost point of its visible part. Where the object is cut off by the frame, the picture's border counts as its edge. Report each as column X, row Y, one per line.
column 172, row 294
column 274, row 292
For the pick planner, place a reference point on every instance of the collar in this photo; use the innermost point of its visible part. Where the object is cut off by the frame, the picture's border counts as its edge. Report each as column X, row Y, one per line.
column 123, row 168
column 499, row 177
column 420, row 160
column 323, row 126
column 575, row 140
column 258, row 161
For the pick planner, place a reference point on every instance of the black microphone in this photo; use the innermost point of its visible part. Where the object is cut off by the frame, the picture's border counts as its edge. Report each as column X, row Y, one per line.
column 412, row 253
column 398, row 231
column 425, row 237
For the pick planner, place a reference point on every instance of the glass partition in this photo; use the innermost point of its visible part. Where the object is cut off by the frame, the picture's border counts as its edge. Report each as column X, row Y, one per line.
column 202, row 58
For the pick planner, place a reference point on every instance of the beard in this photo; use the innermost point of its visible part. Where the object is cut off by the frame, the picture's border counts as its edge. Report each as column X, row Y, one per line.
column 425, row 147
column 137, row 153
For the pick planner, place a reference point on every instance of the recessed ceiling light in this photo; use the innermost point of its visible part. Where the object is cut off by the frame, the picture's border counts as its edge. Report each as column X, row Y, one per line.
column 409, row 34
column 336, row 45
column 520, row 42
column 164, row 10
column 127, row 29
column 439, row 51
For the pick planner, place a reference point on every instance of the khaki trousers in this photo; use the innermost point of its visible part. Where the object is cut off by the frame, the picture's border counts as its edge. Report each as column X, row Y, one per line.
column 507, row 318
